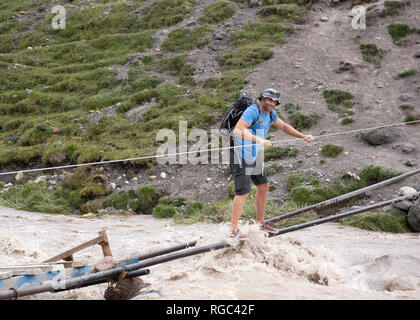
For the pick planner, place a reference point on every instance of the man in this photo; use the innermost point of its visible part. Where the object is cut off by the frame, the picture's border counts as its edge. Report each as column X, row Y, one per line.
column 245, row 161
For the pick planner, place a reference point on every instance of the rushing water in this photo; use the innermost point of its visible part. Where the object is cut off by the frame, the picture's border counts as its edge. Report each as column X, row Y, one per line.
column 328, row 261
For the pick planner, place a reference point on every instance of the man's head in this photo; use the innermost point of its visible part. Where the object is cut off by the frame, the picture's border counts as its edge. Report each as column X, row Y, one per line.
column 269, row 99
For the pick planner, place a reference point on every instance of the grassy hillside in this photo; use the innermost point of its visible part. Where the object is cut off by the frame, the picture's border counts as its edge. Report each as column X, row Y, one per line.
column 53, row 80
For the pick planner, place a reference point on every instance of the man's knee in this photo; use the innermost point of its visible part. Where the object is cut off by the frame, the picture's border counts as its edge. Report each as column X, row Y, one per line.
column 264, row 186
column 242, row 195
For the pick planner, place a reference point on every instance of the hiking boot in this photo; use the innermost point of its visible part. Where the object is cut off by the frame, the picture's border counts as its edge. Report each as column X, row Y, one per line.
column 266, row 227
column 237, row 234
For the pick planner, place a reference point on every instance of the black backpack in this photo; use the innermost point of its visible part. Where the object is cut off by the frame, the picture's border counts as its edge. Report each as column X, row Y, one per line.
column 233, row 114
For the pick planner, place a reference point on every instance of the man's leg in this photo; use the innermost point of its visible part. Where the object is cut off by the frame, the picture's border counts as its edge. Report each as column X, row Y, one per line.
column 237, row 206
column 260, row 200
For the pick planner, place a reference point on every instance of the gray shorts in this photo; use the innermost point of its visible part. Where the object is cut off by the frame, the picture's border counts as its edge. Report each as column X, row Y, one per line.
column 244, row 172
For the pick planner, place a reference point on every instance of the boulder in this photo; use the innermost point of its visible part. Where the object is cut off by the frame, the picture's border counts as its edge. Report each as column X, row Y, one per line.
column 19, row 176
column 413, row 217
column 403, row 205
column 410, row 163
column 406, row 148
column 12, row 139
column 378, row 137
column 405, row 191
column 138, row 113
column 254, row 3
column 107, row 112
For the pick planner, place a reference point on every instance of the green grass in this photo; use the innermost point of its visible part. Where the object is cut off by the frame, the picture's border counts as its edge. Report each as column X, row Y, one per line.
column 217, row 12
column 289, row 12
column 346, row 121
column 262, row 32
column 379, row 220
column 406, row 107
column 368, row 176
column 331, row 150
column 183, row 39
column 408, row 73
column 277, row 153
column 371, row 53
column 37, row 198
column 392, row 8
column 300, row 121
column 245, row 57
column 165, row 13
column 335, row 98
column 400, row 30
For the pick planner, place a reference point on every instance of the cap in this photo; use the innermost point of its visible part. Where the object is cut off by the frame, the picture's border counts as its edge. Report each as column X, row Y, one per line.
column 272, row 94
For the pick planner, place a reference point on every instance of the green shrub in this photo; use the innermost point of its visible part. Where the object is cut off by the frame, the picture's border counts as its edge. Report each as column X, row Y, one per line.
column 94, row 190
column 398, row 31
column 194, row 208
column 123, row 200
column 371, row 175
column 409, row 118
column 408, row 73
column 331, row 150
column 392, row 8
column 406, row 107
column 294, row 180
column 92, row 206
column 162, row 211
column 346, row 121
column 347, row 112
column 300, row 121
column 336, row 97
column 148, row 199
column 371, row 53
column 187, row 80
column 276, row 153
column 273, row 169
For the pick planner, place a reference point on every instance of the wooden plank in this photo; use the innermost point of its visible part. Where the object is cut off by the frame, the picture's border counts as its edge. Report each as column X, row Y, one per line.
column 106, row 249
column 69, row 253
column 42, row 267
column 5, row 274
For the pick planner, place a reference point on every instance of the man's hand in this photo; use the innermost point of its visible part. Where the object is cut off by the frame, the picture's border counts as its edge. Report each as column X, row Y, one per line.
column 267, row 143
column 308, row 138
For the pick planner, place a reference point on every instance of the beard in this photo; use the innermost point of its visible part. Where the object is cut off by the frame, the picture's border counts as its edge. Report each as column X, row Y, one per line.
column 266, row 107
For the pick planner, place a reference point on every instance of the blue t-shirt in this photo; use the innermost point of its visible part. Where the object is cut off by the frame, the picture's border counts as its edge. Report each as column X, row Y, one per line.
column 250, row 149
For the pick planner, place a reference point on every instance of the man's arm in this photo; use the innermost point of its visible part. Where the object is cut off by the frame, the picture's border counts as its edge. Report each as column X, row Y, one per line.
column 287, row 128
column 242, row 130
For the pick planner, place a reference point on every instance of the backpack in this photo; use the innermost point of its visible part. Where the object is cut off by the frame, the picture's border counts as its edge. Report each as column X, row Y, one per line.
column 233, row 114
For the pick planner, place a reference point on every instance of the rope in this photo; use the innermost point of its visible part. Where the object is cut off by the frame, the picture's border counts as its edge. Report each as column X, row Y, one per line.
column 196, row 151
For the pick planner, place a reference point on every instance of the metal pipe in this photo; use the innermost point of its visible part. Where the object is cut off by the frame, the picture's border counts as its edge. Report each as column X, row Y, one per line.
column 78, row 281
column 159, row 252
column 342, row 197
column 131, row 274
column 341, row 215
